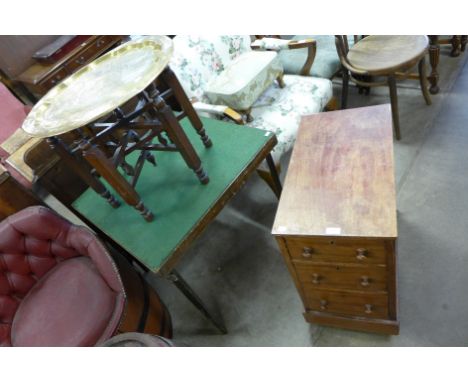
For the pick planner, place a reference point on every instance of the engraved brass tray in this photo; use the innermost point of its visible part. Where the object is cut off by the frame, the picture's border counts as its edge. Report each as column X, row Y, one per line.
column 100, row 87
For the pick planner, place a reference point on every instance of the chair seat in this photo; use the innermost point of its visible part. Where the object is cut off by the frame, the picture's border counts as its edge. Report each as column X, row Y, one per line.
column 244, row 79
column 385, row 54
column 72, row 305
column 326, row 63
column 279, row 110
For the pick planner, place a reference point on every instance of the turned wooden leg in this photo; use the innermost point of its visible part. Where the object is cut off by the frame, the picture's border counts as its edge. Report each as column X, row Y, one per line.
column 423, row 80
column 456, row 42
column 171, row 80
column 177, row 135
column 105, row 167
column 81, row 169
column 463, row 41
column 344, row 90
column 434, row 52
column 394, row 103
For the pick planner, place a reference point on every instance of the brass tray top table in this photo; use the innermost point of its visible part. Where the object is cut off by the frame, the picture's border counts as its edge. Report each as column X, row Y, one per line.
column 79, row 104
column 336, row 221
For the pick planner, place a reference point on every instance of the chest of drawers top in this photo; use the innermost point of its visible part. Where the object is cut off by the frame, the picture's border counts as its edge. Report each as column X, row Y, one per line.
column 340, row 181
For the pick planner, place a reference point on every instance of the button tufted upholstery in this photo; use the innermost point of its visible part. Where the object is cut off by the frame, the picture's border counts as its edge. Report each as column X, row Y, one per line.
column 58, row 284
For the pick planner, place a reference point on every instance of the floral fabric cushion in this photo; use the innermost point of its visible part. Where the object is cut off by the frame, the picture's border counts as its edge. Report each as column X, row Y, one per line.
column 279, row 110
column 244, row 79
column 198, row 58
column 326, row 63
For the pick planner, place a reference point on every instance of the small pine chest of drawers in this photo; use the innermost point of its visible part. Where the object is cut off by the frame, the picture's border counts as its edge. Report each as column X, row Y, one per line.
column 336, row 221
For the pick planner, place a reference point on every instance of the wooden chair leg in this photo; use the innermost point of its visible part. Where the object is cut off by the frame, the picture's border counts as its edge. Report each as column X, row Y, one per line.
column 280, row 80
column 344, row 90
column 455, row 41
column 332, row 105
column 464, row 40
column 423, row 81
column 434, row 52
column 394, row 103
column 248, row 115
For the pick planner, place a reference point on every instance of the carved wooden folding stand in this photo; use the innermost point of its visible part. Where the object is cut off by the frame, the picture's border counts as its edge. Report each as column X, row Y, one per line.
column 105, row 135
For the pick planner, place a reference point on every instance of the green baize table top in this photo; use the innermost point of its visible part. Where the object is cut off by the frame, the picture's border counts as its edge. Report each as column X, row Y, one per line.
column 173, row 193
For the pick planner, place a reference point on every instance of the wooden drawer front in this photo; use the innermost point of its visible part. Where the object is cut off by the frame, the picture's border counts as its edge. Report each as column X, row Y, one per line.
column 338, row 250
column 364, row 278
column 55, row 78
column 88, row 54
column 368, row 305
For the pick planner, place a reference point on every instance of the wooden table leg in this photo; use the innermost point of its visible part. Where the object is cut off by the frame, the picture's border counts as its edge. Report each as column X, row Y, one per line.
column 188, row 292
column 274, row 175
column 178, row 137
column 80, row 169
column 423, row 80
column 434, row 53
column 104, row 166
column 170, row 78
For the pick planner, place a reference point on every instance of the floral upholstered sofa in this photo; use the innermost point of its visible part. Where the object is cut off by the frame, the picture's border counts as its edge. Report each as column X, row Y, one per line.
column 198, row 60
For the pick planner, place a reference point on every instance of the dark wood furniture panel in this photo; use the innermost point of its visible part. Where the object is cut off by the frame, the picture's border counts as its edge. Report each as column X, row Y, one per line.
column 336, row 222
column 41, row 77
column 16, row 52
column 13, row 196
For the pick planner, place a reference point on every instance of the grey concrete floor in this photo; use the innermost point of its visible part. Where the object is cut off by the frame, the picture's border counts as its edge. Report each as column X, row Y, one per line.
column 237, row 269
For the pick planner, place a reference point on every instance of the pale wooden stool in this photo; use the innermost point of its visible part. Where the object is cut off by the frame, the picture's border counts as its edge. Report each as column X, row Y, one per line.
column 392, row 57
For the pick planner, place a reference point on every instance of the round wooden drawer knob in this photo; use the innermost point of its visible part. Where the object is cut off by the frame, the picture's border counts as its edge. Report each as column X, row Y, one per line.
column 307, row 252
column 315, row 278
column 323, row 304
column 365, row 281
column 81, row 61
column 361, row 254
column 368, row 308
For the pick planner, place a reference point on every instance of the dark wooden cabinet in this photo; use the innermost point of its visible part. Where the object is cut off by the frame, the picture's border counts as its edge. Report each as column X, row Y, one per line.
column 336, row 221
column 41, row 77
